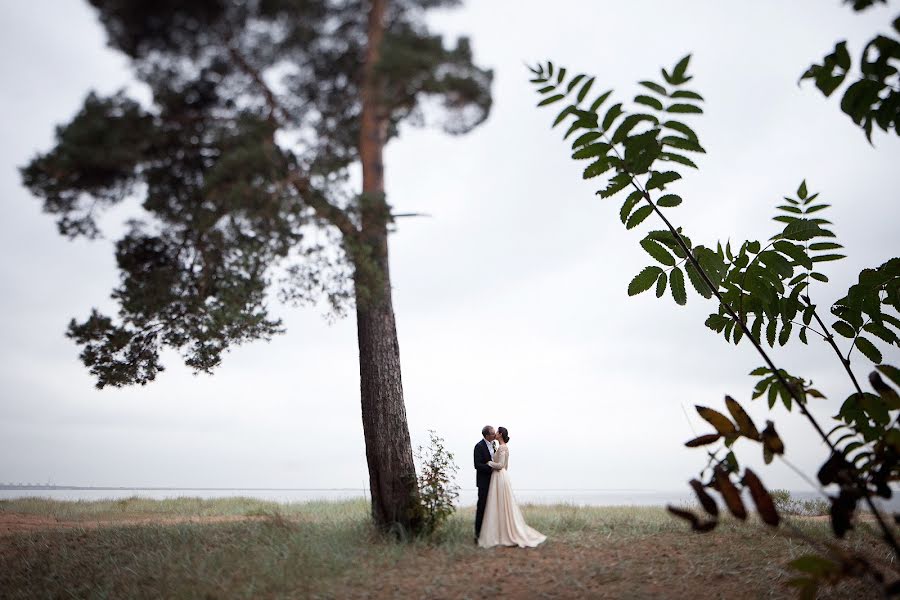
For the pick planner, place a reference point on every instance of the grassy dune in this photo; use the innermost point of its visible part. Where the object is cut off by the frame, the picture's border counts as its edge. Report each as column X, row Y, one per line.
column 245, row 548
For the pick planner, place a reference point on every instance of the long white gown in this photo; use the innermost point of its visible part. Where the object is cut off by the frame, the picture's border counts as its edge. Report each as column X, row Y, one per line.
column 503, row 523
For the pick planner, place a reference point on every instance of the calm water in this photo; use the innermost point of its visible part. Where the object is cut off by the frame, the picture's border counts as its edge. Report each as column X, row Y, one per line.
column 467, row 497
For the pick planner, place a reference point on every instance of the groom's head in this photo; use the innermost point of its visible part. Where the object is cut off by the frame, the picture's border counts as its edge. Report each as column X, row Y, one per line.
column 488, row 433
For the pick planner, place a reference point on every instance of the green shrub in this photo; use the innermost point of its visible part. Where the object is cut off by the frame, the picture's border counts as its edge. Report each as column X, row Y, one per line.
column 437, row 492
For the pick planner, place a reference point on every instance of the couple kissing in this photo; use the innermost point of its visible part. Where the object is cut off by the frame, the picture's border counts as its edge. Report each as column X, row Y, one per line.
column 498, row 520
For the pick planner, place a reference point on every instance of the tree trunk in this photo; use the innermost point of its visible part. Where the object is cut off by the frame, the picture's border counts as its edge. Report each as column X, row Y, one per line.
column 392, row 474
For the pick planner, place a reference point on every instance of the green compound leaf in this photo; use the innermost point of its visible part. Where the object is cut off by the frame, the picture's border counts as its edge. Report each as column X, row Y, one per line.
column 585, row 89
column 615, row 185
column 644, row 280
column 655, row 87
column 771, row 330
column 682, row 129
column 649, row 101
column 676, row 283
column 688, row 95
column 629, row 204
column 574, row 82
column 681, row 143
column 661, row 285
column 868, row 349
column 683, row 160
column 844, row 329
column 669, row 200
column 592, row 150
column 785, row 334
column 569, row 110
column 825, row 246
column 795, row 251
column 680, row 70
column 638, row 216
column 659, row 180
column 697, row 281
column 683, row 108
column 827, row 257
column 657, row 251
column 551, row 99
column 600, row 100
column 586, row 138
column 597, row 168
column 641, row 151
column 611, row 115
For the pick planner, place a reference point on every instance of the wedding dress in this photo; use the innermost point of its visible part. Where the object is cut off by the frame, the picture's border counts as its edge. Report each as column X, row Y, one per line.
column 503, row 523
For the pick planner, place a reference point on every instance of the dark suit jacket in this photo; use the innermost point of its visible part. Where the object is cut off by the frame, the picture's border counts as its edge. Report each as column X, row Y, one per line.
column 482, row 469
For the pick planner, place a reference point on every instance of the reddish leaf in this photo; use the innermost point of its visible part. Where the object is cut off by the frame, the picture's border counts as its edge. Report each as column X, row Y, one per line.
column 744, row 423
column 709, row 505
column 730, row 494
column 705, row 526
column 771, row 442
column 722, row 424
column 761, row 498
column 834, row 470
column 703, row 440
column 696, row 524
column 767, row 454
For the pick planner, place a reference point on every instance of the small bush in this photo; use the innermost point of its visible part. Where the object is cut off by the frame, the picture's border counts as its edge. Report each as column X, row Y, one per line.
column 437, row 492
column 787, row 505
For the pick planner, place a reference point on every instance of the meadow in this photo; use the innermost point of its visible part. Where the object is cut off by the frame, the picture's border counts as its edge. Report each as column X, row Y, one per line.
column 246, row 548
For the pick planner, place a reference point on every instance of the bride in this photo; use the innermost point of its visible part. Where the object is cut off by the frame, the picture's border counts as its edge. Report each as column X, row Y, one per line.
column 503, row 523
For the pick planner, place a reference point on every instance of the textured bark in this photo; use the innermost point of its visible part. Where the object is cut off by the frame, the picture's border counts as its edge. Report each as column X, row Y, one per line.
column 388, row 447
column 392, row 475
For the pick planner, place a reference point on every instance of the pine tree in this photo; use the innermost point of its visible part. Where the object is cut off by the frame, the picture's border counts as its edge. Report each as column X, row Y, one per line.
column 241, row 165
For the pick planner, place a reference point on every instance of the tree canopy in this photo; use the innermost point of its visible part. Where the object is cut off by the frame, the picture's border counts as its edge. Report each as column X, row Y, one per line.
column 246, row 147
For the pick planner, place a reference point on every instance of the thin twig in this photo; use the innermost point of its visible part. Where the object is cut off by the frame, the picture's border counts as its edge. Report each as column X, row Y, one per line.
column 856, row 337
column 398, row 215
column 830, row 338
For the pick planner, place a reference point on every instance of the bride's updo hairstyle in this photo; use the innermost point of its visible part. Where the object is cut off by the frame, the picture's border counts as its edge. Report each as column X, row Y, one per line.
column 502, row 432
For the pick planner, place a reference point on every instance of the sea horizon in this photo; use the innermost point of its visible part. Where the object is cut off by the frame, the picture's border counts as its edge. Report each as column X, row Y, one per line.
column 467, row 496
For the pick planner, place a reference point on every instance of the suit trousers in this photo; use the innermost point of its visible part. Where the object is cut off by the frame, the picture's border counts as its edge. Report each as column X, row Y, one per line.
column 479, row 508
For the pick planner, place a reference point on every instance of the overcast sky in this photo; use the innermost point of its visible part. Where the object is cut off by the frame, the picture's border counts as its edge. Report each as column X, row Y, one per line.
column 511, row 301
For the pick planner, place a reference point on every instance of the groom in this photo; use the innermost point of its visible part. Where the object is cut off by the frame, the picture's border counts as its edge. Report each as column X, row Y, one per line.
column 484, row 451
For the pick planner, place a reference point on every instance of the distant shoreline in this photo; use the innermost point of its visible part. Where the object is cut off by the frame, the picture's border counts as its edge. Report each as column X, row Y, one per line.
column 6, row 487
column 166, row 489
